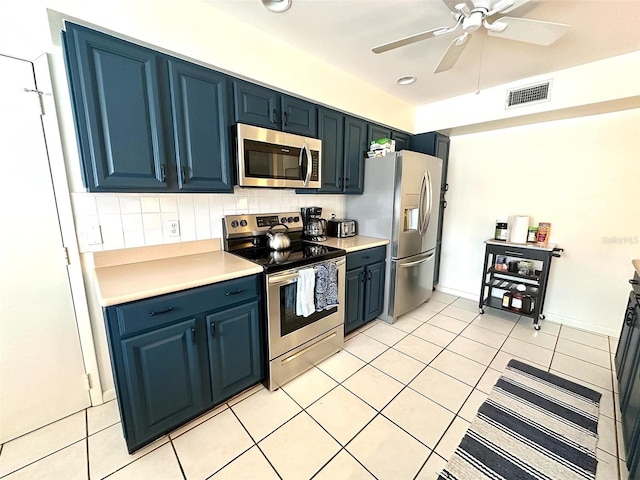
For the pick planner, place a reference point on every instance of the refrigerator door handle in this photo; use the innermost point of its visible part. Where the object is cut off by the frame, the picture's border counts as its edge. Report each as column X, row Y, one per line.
column 421, row 228
column 429, row 208
column 417, row 262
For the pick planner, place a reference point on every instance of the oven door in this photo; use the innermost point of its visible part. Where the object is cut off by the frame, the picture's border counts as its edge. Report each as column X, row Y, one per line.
column 288, row 330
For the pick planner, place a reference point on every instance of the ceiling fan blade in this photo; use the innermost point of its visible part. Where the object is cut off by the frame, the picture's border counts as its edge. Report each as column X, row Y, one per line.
column 418, row 37
column 516, row 4
column 530, row 31
column 450, row 57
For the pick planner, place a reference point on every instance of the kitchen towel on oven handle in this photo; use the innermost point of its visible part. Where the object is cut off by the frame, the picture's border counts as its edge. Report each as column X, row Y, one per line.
column 305, row 290
column 326, row 289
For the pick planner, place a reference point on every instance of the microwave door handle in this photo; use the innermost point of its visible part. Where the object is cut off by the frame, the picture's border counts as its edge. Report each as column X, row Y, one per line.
column 305, row 148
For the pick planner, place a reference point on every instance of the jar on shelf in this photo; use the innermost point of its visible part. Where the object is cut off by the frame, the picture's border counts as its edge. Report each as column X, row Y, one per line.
column 501, row 230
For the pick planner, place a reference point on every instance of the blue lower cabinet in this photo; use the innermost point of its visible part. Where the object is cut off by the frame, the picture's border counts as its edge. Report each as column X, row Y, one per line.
column 354, row 298
column 365, row 278
column 164, row 378
column 234, row 361
column 177, row 355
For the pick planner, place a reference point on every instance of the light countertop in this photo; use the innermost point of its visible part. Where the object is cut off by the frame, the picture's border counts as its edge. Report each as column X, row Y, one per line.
column 180, row 269
column 533, row 246
column 353, row 244
column 636, row 265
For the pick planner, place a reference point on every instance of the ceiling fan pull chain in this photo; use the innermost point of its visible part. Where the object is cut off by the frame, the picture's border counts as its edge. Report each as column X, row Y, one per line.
column 480, row 63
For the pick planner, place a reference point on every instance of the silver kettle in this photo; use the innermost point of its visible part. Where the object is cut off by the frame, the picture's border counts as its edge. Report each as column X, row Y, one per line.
column 278, row 240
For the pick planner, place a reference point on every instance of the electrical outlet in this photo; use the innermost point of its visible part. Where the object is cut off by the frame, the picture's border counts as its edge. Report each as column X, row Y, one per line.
column 94, row 235
column 174, row 228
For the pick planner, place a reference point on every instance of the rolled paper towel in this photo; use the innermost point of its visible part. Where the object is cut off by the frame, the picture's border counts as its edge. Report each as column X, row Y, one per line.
column 518, row 228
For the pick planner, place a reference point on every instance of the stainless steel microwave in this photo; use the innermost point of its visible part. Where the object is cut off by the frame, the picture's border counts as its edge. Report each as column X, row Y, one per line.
column 268, row 158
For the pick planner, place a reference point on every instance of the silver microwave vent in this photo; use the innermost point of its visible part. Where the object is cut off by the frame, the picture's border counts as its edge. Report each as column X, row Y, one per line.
column 537, row 93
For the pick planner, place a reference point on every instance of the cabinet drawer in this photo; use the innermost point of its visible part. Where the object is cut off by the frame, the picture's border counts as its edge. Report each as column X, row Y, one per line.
column 366, row 257
column 154, row 312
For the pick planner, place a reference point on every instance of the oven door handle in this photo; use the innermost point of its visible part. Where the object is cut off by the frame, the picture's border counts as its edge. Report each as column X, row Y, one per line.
column 284, row 279
column 292, row 276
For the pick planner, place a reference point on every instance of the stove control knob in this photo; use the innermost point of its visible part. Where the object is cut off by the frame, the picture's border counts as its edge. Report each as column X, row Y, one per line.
column 283, row 220
column 296, row 219
column 243, row 223
column 290, row 219
column 234, row 224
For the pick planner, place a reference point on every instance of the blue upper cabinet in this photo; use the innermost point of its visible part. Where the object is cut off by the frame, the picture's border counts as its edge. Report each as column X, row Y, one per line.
column 331, row 132
column 117, row 105
column 402, row 140
column 147, row 122
column 256, row 105
column 299, row 116
column 201, row 118
column 355, row 147
column 261, row 106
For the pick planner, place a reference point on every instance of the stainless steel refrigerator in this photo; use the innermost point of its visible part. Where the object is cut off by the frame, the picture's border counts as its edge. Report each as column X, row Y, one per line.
column 401, row 202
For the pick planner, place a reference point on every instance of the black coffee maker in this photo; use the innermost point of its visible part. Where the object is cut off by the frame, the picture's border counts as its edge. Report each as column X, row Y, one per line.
column 315, row 228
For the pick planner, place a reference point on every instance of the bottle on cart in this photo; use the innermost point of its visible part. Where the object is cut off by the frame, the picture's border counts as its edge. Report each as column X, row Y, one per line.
column 506, row 300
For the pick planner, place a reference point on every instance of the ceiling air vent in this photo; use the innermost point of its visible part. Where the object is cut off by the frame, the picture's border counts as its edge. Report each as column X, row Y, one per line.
column 527, row 95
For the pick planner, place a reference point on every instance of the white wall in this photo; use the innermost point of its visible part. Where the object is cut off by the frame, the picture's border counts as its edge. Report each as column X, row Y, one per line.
column 581, row 175
column 607, row 85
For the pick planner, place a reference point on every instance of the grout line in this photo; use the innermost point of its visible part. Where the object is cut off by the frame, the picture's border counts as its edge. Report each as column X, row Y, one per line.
column 86, row 441
column 175, row 452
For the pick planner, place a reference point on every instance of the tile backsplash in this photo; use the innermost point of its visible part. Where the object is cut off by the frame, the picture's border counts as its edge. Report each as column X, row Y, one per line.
column 139, row 219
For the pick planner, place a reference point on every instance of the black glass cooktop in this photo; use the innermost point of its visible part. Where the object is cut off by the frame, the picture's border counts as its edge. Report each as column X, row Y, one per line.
column 298, row 255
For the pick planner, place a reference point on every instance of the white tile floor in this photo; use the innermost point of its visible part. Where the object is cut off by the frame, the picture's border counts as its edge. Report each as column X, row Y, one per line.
column 393, row 404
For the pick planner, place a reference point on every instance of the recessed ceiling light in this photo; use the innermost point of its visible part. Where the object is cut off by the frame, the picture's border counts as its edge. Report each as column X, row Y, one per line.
column 277, row 6
column 408, row 80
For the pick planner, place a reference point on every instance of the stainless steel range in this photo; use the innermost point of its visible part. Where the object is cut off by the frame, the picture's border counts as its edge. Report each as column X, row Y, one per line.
column 295, row 342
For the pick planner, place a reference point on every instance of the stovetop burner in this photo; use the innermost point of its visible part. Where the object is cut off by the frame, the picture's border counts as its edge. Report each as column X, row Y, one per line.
column 246, row 236
column 298, row 255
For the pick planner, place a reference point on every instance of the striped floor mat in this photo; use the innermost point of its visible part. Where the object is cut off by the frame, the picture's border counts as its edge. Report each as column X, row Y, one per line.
column 534, row 425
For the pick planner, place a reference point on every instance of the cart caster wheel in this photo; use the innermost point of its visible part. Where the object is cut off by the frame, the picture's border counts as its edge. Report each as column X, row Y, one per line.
column 541, row 316
column 536, row 326
column 481, row 311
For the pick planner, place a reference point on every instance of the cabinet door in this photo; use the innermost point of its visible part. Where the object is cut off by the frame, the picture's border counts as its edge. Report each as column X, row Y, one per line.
column 402, row 140
column 256, row 105
column 299, row 116
column 625, row 334
column 201, row 122
column 631, row 353
column 235, row 359
column 374, row 292
column 354, row 296
column 163, row 380
column 331, row 132
column 355, row 146
column 117, row 106
column 376, row 132
column 630, row 410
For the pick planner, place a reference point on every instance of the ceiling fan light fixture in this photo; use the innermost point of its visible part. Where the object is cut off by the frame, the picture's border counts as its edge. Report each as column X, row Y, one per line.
column 277, row 6
column 406, row 80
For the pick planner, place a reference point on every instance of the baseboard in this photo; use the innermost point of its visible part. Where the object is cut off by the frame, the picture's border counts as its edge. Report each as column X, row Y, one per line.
column 589, row 327
column 109, row 395
column 550, row 316
column 458, row 293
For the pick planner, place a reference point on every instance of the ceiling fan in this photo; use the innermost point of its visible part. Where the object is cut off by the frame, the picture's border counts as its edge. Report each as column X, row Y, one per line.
column 470, row 15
